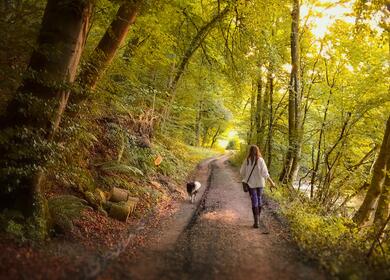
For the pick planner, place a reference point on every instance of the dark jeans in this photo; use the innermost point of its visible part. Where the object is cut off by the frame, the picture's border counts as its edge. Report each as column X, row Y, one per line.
column 256, row 196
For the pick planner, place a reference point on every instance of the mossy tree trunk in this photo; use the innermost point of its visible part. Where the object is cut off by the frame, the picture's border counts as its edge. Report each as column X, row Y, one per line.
column 377, row 181
column 31, row 116
column 383, row 208
column 113, row 38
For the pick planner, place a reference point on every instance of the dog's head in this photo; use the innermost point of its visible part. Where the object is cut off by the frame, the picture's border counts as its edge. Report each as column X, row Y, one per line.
column 190, row 187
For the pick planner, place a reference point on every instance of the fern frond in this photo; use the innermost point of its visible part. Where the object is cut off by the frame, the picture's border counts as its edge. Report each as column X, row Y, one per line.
column 117, row 167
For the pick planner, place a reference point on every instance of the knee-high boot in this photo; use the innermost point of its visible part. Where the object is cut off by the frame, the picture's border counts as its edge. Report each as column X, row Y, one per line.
column 256, row 216
column 260, row 211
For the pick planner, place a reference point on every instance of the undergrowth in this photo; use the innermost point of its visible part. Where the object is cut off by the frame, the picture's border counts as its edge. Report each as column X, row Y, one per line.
column 338, row 245
column 102, row 153
column 120, row 158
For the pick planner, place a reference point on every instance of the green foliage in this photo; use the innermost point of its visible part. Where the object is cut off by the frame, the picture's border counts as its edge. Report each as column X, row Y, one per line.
column 63, row 209
column 19, row 25
column 116, row 167
column 233, row 145
column 108, row 182
column 239, row 156
column 133, row 116
column 33, row 227
column 15, row 229
column 11, row 221
column 332, row 240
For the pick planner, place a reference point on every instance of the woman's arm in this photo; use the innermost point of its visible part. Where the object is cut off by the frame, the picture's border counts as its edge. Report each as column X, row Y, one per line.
column 242, row 169
column 271, row 182
column 265, row 174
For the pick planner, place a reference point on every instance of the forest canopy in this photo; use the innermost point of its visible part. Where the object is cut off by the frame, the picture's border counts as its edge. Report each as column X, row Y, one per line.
column 95, row 88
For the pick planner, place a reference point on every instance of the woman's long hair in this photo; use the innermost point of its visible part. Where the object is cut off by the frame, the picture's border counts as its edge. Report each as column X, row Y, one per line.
column 254, row 154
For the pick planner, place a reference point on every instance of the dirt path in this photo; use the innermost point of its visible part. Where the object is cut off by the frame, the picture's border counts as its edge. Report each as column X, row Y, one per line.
column 217, row 242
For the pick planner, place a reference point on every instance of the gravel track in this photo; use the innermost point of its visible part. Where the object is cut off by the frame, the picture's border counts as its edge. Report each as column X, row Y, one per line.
column 214, row 239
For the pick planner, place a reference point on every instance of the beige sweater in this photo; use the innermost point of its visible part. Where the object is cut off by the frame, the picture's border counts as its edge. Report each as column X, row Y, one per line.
column 259, row 174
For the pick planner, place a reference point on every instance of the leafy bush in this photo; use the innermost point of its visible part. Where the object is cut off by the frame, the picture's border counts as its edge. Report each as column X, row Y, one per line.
column 15, row 229
column 334, row 241
column 233, row 144
column 239, row 155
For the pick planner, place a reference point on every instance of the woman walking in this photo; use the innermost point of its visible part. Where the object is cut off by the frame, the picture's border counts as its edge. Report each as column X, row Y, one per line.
column 254, row 172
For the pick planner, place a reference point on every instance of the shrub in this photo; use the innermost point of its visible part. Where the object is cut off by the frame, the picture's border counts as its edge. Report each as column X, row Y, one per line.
column 335, row 242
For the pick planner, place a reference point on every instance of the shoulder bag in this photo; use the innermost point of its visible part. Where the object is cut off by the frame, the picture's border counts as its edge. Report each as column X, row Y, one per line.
column 245, row 185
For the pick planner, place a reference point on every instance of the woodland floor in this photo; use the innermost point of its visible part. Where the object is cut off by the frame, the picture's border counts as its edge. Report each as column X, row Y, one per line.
column 211, row 239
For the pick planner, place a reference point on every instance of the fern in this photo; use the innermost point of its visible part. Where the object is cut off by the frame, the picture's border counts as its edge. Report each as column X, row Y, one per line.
column 63, row 209
column 117, row 167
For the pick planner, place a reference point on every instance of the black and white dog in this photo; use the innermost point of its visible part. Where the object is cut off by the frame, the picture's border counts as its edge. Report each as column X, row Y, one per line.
column 192, row 190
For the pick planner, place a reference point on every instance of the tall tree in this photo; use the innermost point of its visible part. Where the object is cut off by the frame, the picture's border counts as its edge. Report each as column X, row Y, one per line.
column 30, row 116
column 105, row 51
column 378, row 178
column 259, row 111
column 269, row 143
column 198, row 122
column 252, row 114
column 291, row 164
column 109, row 44
column 195, row 43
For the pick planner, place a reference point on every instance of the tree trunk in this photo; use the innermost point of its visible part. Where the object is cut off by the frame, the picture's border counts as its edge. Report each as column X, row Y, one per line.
column 252, row 113
column 291, row 164
column 259, row 111
column 270, row 125
column 382, row 210
column 215, row 136
column 191, row 49
column 351, row 170
column 264, row 119
column 198, row 123
column 331, row 163
column 205, row 136
column 32, row 114
column 109, row 44
column 378, row 178
column 377, row 238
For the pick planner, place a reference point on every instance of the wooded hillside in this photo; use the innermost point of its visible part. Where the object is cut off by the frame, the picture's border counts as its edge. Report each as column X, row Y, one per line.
column 131, row 94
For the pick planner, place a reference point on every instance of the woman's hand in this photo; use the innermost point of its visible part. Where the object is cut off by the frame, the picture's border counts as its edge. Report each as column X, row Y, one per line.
column 273, row 185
